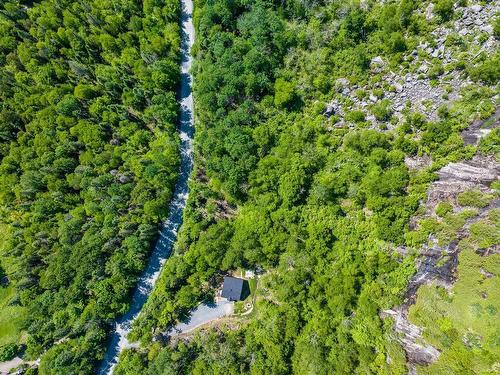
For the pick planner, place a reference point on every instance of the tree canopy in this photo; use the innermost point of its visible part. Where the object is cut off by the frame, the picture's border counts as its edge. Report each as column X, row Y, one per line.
column 89, row 157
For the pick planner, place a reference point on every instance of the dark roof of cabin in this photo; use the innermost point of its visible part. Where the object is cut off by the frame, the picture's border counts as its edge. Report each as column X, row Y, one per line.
column 232, row 288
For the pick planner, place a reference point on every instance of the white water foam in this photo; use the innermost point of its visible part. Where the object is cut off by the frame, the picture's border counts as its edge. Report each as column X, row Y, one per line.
column 168, row 233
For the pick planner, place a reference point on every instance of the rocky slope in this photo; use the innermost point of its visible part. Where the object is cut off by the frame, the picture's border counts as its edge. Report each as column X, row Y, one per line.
column 437, row 263
column 427, row 78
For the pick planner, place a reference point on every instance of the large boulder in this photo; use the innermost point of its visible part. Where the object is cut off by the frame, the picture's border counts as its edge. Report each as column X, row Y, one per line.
column 377, row 64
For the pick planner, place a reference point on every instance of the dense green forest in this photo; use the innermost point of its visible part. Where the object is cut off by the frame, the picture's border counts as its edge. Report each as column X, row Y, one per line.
column 319, row 197
column 321, row 206
column 89, row 157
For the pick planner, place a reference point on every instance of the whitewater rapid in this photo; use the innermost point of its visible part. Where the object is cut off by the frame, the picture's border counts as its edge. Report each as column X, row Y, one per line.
column 168, row 232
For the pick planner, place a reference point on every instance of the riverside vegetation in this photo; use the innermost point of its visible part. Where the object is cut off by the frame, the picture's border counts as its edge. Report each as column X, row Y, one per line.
column 303, row 167
column 89, row 158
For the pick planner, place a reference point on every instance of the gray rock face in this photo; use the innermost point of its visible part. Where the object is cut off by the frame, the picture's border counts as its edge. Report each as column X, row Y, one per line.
column 479, row 170
column 377, row 64
column 429, row 15
column 475, row 132
column 468, row 21
column 124, row 179
column 476, row 8
column 410, row 336
column 342, row 82
column 418, row 162
column 454, row 178
column 423, row 68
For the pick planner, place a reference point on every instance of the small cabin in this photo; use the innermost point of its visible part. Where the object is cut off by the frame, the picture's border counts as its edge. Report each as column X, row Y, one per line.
column 235, row 289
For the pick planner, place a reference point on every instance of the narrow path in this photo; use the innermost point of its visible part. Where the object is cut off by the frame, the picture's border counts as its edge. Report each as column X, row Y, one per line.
column 168, row 233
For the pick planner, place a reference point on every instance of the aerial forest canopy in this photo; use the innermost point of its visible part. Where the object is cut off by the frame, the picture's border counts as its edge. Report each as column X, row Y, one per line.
column 303, row 170
column 322, row 128
column 89, row 157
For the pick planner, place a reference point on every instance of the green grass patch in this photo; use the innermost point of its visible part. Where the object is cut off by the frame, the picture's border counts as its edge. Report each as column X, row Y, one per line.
column 252, row 283
column 11, row 315
column 443, row 208
column 239, row 307
column 464, row 323
column 484, row 234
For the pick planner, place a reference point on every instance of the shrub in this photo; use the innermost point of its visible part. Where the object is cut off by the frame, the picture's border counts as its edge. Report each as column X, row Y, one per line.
column 379, row 93
column 454, row 39
column 9, row 351
column 488, row 71
column 355, row 116
column 436, row 70
column 484, row 234
column 473, row 198
column 443, row 208
column 382, row 111
column 2, row 274
column 443, row 111
column 496, row 27
column 85, row 92
column 361, row 94
column 491, row 143
column 444, row 9
column 397, row 42
column 284, row 92
column 435, row 134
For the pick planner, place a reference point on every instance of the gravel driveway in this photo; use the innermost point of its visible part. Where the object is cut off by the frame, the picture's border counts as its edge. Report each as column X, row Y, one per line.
column 204, row 314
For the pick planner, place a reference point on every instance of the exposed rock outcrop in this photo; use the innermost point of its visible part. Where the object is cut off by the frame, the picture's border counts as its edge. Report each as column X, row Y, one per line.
column 454, row 178
column 410, row 335
column 437, row 263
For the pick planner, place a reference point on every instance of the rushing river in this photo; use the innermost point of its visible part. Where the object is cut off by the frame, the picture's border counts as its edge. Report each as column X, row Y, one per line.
column 168, row 233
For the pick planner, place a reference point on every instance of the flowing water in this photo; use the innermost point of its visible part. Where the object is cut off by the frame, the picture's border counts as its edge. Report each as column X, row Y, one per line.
column 168, row 232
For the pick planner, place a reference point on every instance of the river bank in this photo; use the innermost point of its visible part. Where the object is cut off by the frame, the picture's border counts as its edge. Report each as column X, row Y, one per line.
column 168, row 232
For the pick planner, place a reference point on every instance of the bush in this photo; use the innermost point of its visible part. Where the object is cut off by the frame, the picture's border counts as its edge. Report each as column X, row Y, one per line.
column 484, row 234
column 436, row 70
column 284, row 92
column 355, row 116
column 488, row 71
column 9, row 351
column 443, row 111
column 379, row 93
column 444, row 9
column 443, row 208
column 436, row 134
column 397, row 42
column 361, row 94
column 473, row 198
column 496, row 27
column 85, row 92
column 491, row 143
column 382, row 111
column 2, row 274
